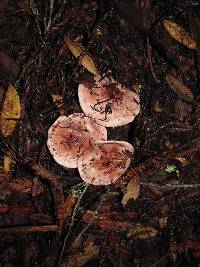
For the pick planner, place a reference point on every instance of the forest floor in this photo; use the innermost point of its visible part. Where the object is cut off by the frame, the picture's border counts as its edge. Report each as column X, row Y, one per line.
column 48, row 215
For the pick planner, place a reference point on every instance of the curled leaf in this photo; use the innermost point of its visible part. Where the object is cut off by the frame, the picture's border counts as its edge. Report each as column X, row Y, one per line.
column 179, row 88
column 132, row 192
column 179, row 34
column 10, row 111
column 83, row 56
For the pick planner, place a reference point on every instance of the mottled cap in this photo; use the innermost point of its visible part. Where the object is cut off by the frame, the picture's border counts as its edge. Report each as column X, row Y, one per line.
column 69, row 136
column 108, row 102
column 103, row 162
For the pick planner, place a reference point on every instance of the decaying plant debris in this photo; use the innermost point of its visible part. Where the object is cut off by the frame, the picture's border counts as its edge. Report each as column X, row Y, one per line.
column 150, row 216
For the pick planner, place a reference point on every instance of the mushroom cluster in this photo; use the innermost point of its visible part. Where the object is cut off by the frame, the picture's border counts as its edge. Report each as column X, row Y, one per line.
column 80, row 140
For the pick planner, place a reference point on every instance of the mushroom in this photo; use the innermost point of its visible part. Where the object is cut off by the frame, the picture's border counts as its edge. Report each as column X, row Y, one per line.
column 103, row 162
column 108, row 102
column 69, row 136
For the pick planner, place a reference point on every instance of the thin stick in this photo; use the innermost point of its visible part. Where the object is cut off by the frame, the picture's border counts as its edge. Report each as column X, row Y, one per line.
column 36, row 15
column 71, row 224
column 172, row 186
column 89, row 223
column 150, row 61
column 33, row 228
column 50, row 13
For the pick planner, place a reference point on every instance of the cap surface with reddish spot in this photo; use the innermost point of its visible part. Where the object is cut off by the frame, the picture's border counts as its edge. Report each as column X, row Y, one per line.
column 103, row 162
column 109, row 103
column 69, row 136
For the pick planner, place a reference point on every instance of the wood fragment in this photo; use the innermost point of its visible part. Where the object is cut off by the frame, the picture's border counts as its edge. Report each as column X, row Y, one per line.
column 26, row 229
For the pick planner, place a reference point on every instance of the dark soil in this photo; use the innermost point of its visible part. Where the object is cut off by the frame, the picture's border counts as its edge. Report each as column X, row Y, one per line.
column 48, row 217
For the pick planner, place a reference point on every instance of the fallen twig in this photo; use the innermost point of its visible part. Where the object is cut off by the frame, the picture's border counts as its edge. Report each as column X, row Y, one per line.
column 172, row 186
column 56, row 186
column 33, row 228
column 71, row 223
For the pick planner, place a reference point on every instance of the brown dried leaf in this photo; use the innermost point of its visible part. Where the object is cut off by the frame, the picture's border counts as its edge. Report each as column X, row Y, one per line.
column 81, row 258
column 179, row 88
column 84, row 58
column 10, row 111
column 182, row 109
column 59, row 103
column 163, row 222
column 132, row 192
column 8, row 163
column 21, row 185
column 66, row 209
column 157, row 107
column 142, row 231
column 183, row 161
column 179, row 34
column 37, row 187
column 168, row 144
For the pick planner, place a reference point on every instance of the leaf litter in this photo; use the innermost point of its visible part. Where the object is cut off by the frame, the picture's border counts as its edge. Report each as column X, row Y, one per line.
column 46, row 50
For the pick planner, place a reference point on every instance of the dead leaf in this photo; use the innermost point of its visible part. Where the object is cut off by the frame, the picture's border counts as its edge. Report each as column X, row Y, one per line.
column 179, row 88
column 10, row 111
column 168, row 144
column 132, row 191
column 21, row 185
column 182, row 109
column 81, row 258
column 8, row 163
column 137, row 88
column 183, row 161
column 142, row 231
column 157, row 107
column 83, row 56
column 163, row 222
column 179, row 34
column 37, row 187
column 66, row 209
column 59, row 103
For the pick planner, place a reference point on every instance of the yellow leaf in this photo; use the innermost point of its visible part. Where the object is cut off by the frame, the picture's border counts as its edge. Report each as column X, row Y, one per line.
column 83, row 56
column 10, row 111
column 132, row 192
column 8, row 163
column 179, row 34
column 183, row 161
column 142, row 231
column 137, row 88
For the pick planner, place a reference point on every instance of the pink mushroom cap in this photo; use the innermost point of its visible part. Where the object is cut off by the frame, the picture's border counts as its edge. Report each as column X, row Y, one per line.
column 69, row 136
column 103, row 162
column 109, row 103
